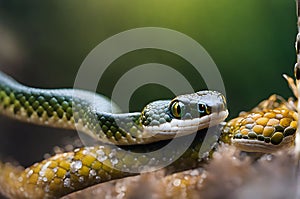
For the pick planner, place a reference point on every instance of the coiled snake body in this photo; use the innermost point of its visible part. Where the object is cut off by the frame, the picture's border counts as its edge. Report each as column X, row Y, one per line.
column 140, row 133
column 268, row 127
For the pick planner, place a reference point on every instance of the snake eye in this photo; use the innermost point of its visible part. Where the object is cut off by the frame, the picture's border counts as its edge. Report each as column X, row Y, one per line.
column 176, row 109
column 203, row 109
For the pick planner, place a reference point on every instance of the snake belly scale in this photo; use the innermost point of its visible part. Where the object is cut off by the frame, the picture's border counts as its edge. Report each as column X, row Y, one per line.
column 99, row 118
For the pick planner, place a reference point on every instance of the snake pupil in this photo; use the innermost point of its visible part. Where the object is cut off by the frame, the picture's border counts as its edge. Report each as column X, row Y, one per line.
column 176, row 109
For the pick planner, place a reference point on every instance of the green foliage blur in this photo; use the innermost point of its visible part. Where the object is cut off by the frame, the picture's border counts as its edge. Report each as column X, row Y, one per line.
column 251, row 41
column 43, row 43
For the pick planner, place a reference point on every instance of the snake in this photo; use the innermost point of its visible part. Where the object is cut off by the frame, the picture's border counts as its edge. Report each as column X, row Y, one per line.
column 193, row 121
column 267, row 128
column 129, row 143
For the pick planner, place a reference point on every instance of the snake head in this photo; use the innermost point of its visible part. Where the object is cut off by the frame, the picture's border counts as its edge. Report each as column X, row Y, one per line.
column 184, row 114
column 197, row 105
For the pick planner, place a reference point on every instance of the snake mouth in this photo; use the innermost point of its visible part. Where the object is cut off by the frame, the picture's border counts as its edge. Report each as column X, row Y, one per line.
column 254, row 145
column 177, row 127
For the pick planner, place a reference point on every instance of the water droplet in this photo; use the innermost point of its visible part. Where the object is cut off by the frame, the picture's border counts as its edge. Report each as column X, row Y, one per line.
column 43, row 169
column 194, row 173
column 84, row 152
column 114, row 161
column 112, row 153
column 42, row 173
column 81, row 179
column 98, row 179
column 92, row 173
column 67, row 182
column 176, row 182
column 100, row 152
column 30, row 172
column 76, row 165
column 101, row 155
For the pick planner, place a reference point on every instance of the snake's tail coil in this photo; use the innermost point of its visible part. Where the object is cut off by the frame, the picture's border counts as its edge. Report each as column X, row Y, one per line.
column 11, row 184
column 14, row 184
column 59, row 175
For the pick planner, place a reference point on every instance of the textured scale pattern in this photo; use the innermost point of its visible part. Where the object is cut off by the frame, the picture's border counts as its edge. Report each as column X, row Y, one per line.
column 91, row 113
column 153, row 116
column 139, row 148
column 269, row 124
column 68, row 172
column 65, row 112
column 268, row 127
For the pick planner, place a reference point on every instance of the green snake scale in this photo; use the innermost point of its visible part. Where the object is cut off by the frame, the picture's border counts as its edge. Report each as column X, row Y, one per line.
column 132, row 142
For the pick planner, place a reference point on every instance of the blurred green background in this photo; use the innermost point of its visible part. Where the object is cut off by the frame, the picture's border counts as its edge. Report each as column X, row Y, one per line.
column 43, row 43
